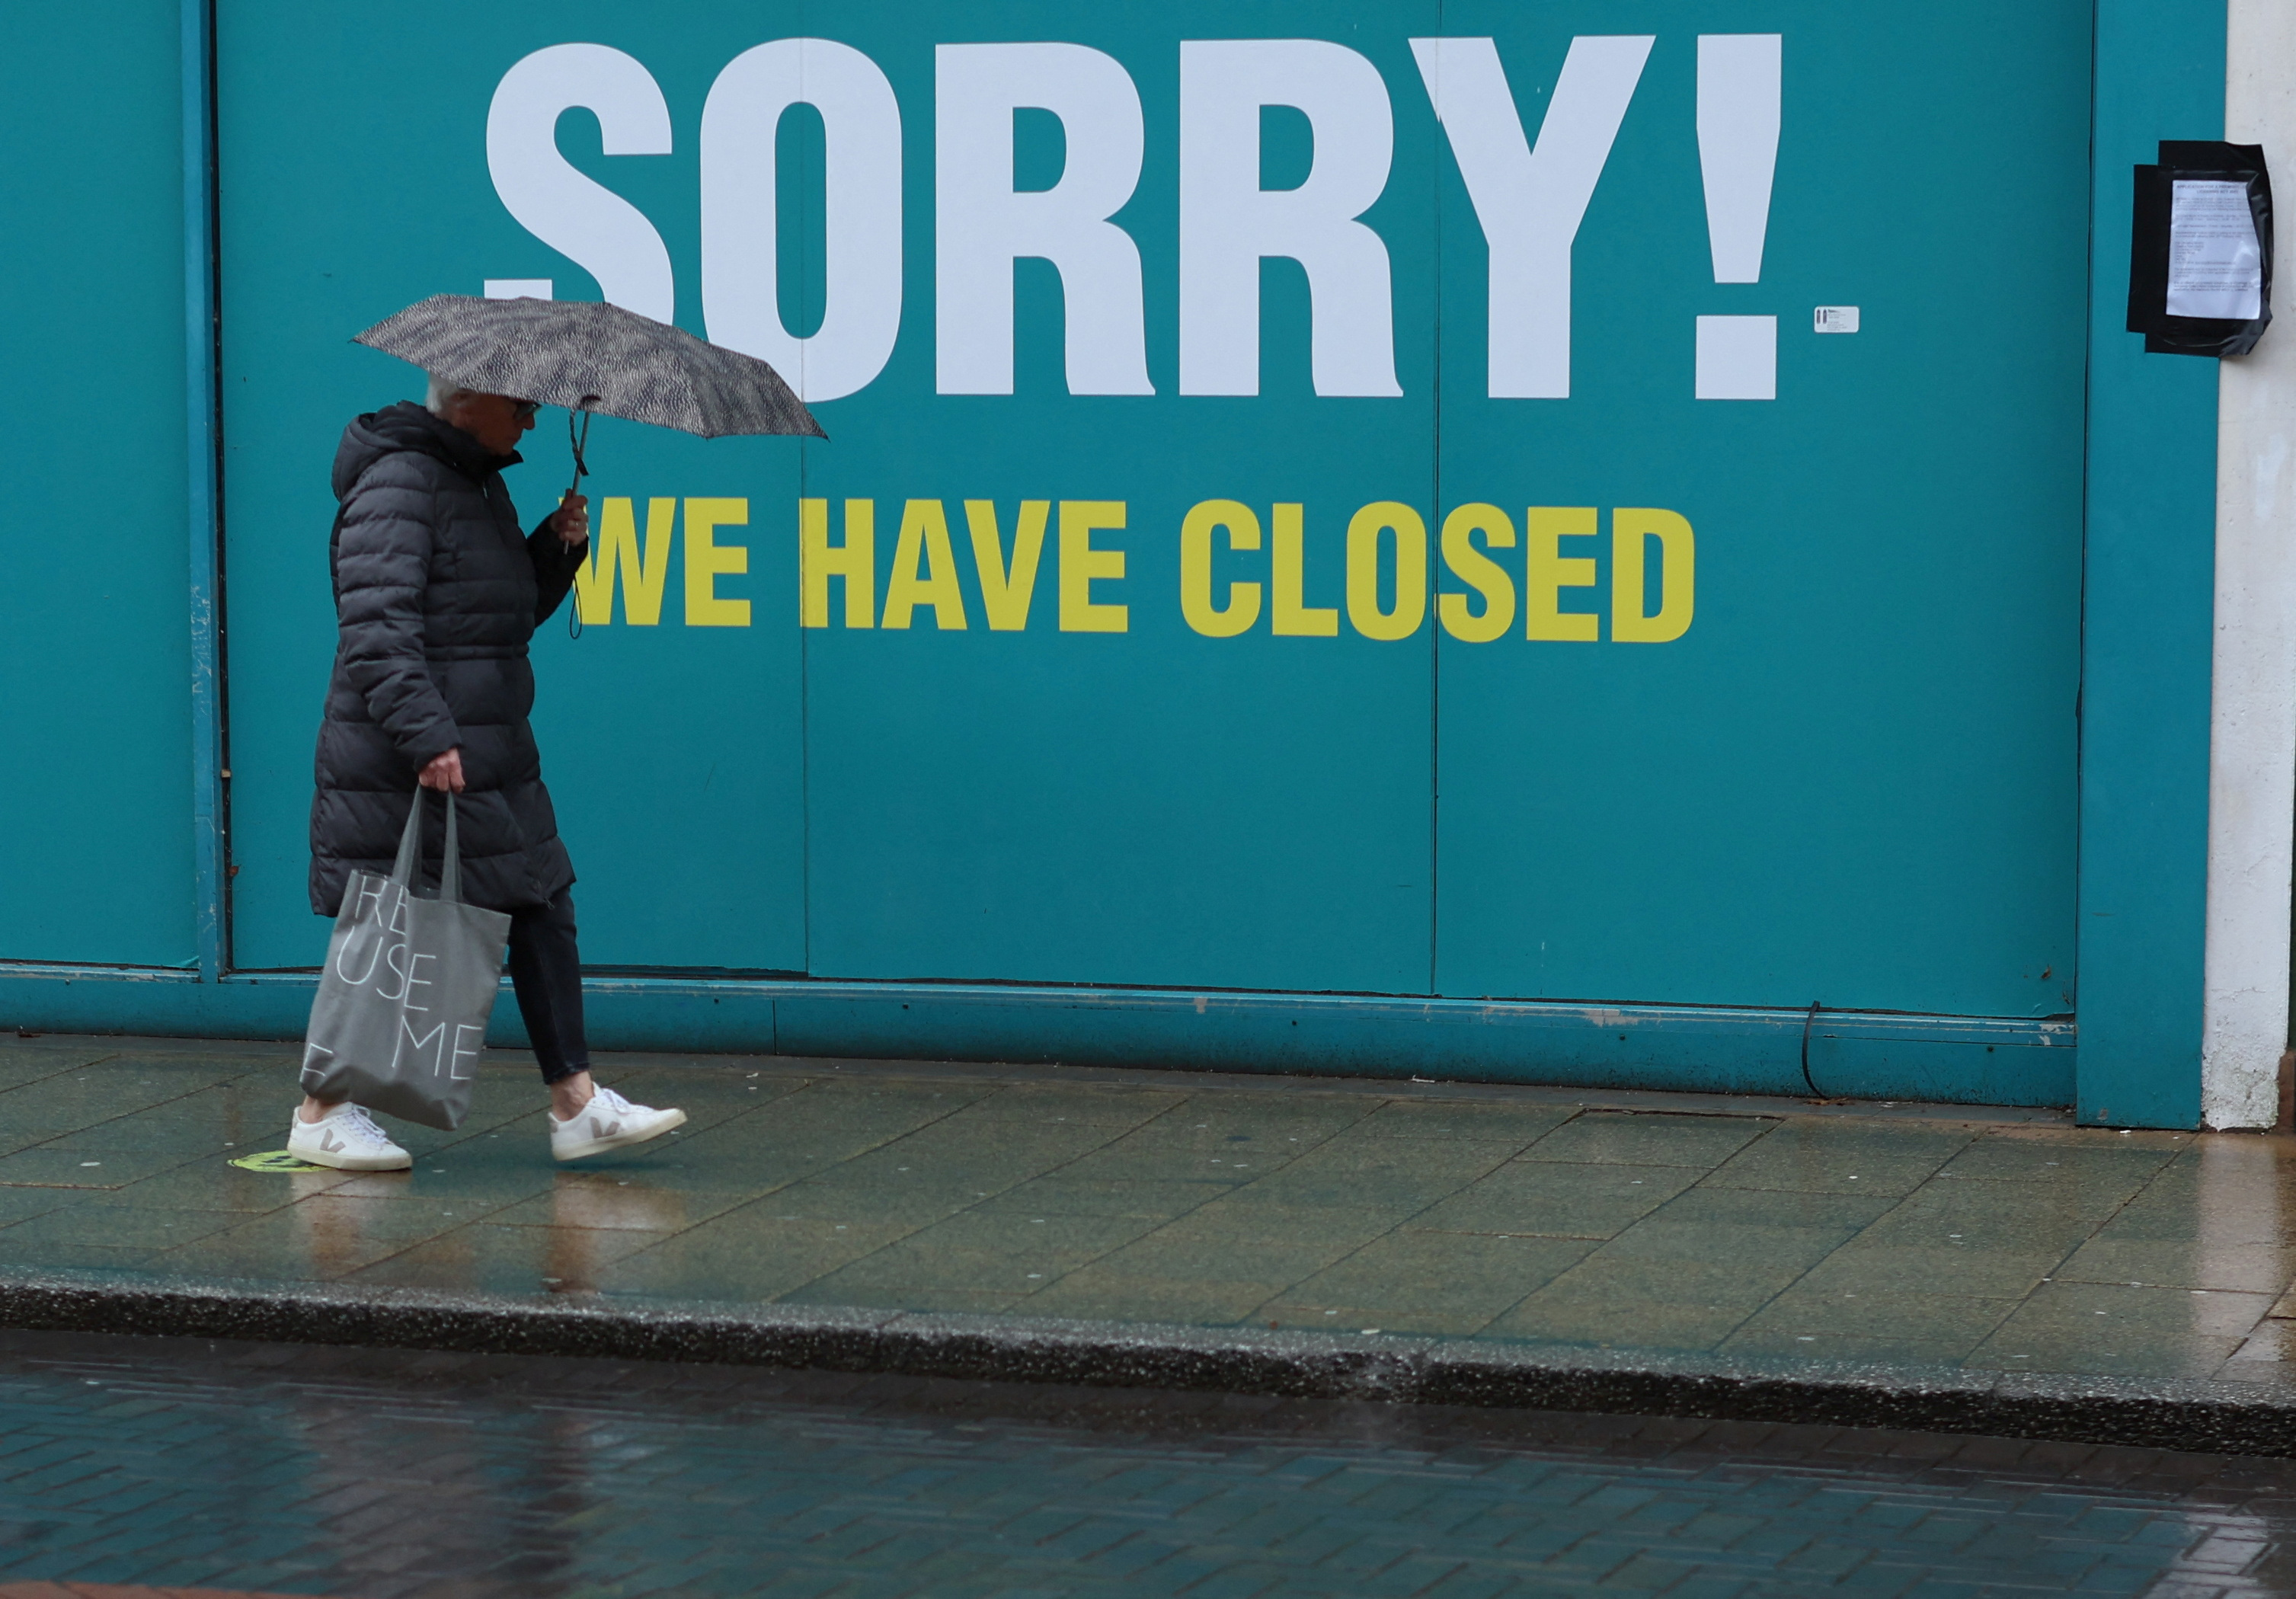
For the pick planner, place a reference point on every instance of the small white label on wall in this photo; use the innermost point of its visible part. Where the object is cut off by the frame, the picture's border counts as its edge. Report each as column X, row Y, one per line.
column 1837, row 319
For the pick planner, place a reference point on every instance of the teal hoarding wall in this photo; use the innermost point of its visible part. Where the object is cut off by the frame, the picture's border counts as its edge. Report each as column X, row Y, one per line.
column 1850, row 779
column 1853, row 780
column 95, row 650
column 2149, row 610
column 1212, row 632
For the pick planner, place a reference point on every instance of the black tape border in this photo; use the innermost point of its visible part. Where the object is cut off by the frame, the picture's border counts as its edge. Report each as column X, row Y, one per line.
column 2189, row 1414
column 2148, row 247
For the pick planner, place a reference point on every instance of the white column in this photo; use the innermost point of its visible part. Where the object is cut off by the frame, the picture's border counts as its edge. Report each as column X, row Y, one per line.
column 2253, row 728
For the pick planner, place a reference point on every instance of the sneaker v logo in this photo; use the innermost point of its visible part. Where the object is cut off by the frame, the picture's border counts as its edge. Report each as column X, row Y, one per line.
column 604, row 1130
column 330, row 1143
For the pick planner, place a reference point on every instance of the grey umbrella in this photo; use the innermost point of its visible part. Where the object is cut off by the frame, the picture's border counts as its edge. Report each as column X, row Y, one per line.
column 587, row 356
column 590, row 357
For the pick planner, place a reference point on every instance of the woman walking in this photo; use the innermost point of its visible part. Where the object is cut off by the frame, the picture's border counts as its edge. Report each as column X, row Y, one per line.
column 436, row 593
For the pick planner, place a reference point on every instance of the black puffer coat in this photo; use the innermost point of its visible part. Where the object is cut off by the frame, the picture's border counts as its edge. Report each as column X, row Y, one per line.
column 436, row 593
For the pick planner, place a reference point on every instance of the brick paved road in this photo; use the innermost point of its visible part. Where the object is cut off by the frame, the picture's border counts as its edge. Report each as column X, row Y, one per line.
column 377, row 1474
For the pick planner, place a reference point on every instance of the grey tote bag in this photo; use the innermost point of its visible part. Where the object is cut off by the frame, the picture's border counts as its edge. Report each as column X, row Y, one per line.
column 402, row 1008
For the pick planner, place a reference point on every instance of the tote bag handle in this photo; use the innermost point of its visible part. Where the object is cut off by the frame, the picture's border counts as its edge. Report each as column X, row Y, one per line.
column 410, row 853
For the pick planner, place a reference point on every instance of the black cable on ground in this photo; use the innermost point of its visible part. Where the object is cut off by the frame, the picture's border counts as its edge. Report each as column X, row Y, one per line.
column 1806, row 1078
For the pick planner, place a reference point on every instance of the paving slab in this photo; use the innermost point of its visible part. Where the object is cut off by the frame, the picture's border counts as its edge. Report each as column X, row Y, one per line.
column 1710, row 1256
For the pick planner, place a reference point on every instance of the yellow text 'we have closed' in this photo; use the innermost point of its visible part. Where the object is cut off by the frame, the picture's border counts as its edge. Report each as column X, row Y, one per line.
column 1241, row 571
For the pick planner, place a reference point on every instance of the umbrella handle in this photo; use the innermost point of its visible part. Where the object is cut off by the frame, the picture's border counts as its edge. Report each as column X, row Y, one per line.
column 579, row 443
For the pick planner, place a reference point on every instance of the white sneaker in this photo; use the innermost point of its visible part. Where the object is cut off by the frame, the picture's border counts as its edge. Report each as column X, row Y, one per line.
column 609, row 1121
column 347, row 1139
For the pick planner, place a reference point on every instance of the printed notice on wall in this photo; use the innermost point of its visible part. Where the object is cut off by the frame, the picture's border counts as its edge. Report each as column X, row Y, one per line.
column 2214, row 266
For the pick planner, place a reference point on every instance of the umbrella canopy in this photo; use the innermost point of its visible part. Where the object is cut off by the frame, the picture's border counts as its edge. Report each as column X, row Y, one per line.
column 587, row 356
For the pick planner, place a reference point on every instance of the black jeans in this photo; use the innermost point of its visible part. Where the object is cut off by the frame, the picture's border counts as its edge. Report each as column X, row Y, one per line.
column 545, row 972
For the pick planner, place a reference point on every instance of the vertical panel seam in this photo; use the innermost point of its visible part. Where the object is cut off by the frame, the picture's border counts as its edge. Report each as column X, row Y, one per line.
column 1434, row 587
column 201, row 482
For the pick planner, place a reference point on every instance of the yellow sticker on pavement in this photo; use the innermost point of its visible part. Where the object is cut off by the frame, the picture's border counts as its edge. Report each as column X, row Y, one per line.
column 274, row 1160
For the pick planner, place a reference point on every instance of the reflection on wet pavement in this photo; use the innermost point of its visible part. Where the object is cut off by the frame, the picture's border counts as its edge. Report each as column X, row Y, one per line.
column 2006, row 1240
column 367, row 1474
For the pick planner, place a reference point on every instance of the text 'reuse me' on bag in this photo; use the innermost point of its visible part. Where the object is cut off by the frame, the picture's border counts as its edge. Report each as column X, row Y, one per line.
column 402, row 1007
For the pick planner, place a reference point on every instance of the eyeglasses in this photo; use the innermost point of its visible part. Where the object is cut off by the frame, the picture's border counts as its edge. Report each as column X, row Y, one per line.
column 524, row 410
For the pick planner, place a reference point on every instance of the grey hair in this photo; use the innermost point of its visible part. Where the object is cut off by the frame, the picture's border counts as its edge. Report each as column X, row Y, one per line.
column 444, row 393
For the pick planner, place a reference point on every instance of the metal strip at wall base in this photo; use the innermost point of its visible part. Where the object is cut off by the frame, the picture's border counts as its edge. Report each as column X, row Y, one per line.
column 1852, row 1054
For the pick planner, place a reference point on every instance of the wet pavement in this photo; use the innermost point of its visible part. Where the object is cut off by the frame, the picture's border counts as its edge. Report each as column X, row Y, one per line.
column 1924, row 1236
column 366, row 1474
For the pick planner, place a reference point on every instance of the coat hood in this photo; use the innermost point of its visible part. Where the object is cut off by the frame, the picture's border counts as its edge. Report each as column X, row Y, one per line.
column 407, row 426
